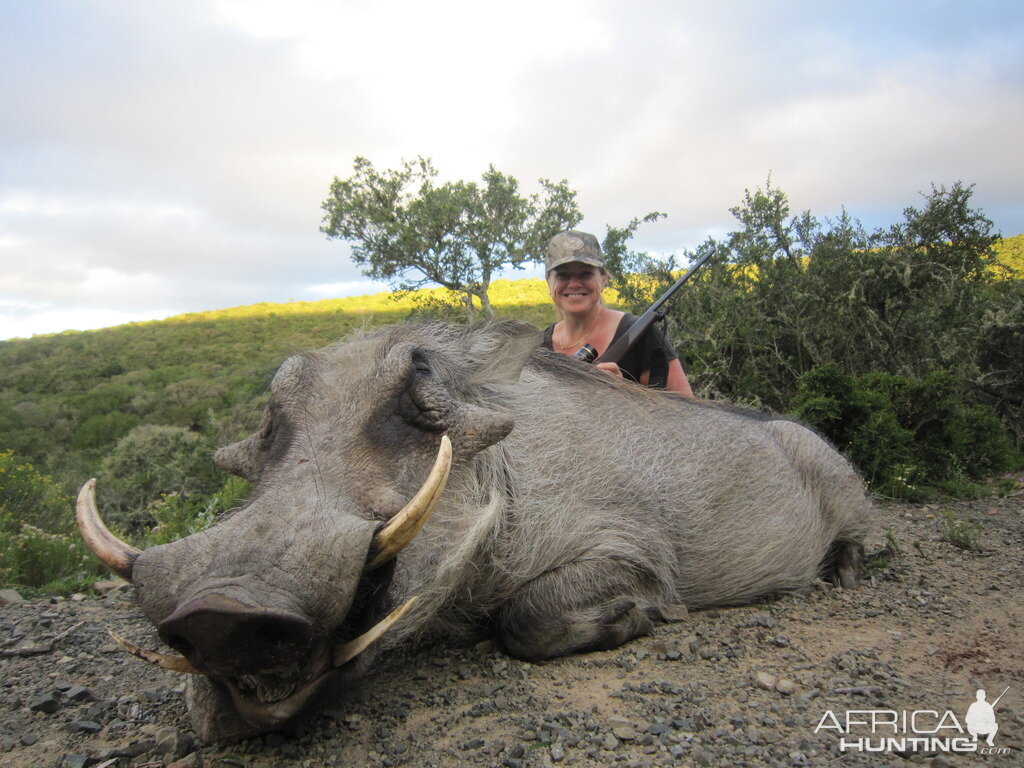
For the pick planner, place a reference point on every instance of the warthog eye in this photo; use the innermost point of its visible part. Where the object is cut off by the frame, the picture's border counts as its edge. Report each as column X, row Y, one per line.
column 420, row 364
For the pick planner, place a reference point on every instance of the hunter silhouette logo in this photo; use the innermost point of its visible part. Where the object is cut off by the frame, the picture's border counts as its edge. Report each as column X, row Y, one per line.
column 981, row 717
column 929, row 730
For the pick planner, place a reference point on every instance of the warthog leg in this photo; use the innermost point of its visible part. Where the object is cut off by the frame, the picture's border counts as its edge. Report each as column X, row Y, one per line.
column 843, row 563
column 589, row 605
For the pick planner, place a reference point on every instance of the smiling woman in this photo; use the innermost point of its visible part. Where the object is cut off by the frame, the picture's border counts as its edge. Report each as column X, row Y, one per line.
column 576, row 277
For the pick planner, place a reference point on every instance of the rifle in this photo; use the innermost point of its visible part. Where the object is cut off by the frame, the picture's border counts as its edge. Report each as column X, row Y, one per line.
column 630, row 338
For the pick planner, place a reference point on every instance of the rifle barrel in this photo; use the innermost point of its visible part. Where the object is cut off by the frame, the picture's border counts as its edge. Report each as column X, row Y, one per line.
column 1000, row 696
column 679, row 283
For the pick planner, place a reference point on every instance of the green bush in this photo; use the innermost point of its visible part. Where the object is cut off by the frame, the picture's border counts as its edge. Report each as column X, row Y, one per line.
column 178, row 516
column 29, row 497
column 103, row 429
column 150, row 461
column 905, row 434
column 962, row 533
column 54, row 559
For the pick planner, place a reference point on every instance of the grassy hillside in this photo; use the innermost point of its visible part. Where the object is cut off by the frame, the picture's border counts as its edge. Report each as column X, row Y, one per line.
column 1010, row 253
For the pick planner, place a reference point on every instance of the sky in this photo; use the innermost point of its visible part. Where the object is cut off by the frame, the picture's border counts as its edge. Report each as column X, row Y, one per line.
column 166, row 157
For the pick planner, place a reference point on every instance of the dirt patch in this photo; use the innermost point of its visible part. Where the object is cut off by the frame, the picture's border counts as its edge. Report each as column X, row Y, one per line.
column 743, row 686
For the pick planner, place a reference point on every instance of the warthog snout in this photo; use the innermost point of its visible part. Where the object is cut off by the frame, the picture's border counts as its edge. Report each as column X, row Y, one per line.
column 220, row 630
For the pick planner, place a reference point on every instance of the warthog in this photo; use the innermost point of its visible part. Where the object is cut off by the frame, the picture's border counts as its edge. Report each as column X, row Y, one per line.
column 573, row 510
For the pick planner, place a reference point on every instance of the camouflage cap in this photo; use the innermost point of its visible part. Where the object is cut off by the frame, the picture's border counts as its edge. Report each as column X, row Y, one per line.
column 567, row 247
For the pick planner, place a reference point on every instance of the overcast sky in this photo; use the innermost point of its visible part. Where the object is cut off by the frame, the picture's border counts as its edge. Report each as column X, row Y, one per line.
column 162, row 157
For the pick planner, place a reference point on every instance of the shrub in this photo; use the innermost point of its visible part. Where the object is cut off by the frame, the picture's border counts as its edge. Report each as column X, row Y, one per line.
column 903, row 433
column 100, row 430
column 150, row 461
column 29, row 555
column 178, row 516
column 29, row 497
column 962, row 533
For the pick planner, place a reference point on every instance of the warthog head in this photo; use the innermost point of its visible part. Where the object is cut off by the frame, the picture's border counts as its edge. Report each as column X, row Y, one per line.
column 281, row 598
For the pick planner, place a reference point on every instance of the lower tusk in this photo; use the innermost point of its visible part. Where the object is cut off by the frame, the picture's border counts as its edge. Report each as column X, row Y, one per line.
column 162, row 660
column 348, row 651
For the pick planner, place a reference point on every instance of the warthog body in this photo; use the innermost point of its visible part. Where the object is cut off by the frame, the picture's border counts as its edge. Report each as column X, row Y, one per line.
column 578, row 510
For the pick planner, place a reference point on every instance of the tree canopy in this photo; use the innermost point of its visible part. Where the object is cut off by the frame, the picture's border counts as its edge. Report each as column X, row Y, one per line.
column 408, row 229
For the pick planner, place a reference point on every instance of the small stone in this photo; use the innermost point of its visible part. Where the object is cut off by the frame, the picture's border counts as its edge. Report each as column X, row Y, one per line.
column 557, row 753
column 765, row 681
column 676, row 751
column 79, row 693
column 106, row 587
column 75, row 761
column 624, row 732
column 703, row 757
column 47, row 703
column 77, row 597
column 656, row 729
column 785, row 687
column 84, row 726
column 10, row 597
column 176, row 744
column 28, row 739
column 707, row 652
column 512, row 762
column 610, row 742
column 289, row 749
column 764, row 620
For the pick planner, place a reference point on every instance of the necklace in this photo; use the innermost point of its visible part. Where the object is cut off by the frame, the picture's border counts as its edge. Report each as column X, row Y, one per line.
column 585, row 333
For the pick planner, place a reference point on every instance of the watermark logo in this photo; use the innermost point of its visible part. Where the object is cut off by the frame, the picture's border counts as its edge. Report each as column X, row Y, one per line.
column 919, row 730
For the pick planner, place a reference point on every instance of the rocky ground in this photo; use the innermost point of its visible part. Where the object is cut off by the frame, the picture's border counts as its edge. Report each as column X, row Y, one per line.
column 738, row 687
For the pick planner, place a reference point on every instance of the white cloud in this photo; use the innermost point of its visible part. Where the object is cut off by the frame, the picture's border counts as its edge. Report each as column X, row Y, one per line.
column 173, row 156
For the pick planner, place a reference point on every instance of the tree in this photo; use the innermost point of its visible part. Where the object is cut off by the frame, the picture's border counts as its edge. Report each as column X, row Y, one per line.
column 407, row 229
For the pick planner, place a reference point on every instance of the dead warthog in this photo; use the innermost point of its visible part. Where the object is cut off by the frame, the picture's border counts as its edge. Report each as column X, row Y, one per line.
column 571, row 510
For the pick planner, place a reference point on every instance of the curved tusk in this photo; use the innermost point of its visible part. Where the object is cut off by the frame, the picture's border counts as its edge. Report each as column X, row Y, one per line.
column 401, row 529
column 117, row 556
column 162, row 660
column 342, row 654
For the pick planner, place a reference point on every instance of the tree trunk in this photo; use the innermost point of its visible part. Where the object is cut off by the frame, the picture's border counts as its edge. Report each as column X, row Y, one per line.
column 467, row 298
column 485, row 303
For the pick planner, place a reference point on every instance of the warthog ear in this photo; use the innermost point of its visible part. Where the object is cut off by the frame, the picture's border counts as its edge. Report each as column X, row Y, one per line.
column 498, row 350
column 428, row 404
column 241, row 458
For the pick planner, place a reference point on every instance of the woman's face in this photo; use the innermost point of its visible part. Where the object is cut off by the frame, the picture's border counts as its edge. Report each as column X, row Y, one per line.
column 575, row 287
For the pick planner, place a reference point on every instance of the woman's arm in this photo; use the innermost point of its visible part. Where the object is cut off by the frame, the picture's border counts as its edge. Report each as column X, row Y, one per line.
column 677, row 381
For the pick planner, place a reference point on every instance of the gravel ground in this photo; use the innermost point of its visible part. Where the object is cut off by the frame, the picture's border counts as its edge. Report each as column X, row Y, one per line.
column 734, row 687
